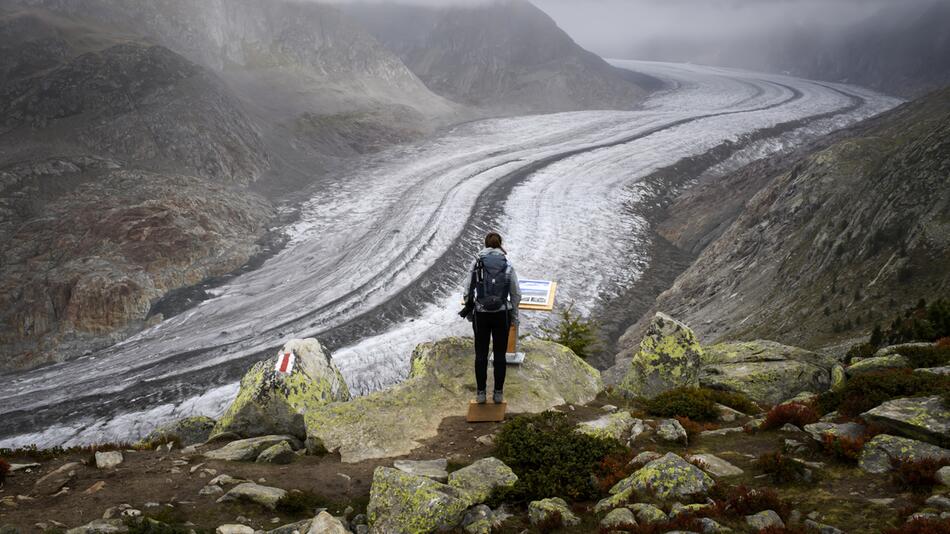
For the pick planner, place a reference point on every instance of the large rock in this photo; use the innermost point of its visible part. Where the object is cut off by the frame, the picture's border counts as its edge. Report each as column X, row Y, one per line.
column 435, row 469
column 55, row 480
column 108, row 459
column 765, row 371
column 325, row 523
column 667, row 477
column 544, row 511
column 478, row 480
column 923, row 418
column 246, row 450
column 270, row 402
column 818, row 431
column 615, row 425
column 671, row 430
column 877, row 455
column 188, row 431
column 618, row 518
column 877, row 363
column 282, row 453
column 101, row 526
column 896, row 349
column 250, row 492
column 669, row 357
column 440, row 384
column 715, row 465
column 400, row 503
column 764, row 519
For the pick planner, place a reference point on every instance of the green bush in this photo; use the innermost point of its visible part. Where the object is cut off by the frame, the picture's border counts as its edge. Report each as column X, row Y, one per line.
column 698, row 404
column 861, row 350
column 932, row 356
column 574, row 332
column 550, row 458
column 780, row 468
column 921, row 323
column 863, row 392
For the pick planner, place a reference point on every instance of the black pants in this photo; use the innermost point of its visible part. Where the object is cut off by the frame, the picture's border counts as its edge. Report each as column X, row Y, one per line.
column 490, row 326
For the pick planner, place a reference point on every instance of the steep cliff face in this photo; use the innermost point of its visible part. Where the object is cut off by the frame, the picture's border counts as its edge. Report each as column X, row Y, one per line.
column 504, row 55
column 91, row 237
column 841, row 240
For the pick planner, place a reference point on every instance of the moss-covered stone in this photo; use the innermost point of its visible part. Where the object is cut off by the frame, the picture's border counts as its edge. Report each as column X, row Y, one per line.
column 765, row 371
column 647, row 513
column 249, row 449
column 923, row 418
column 541, row 512
column 401, row 503
column 616, row 425
column 441, row 383
column 669, row 357
column 667, row 477
column 477, row 481
column 878, row 453
column 619, row 517
column 269, row 402
column 188, row 431
column 877, row 363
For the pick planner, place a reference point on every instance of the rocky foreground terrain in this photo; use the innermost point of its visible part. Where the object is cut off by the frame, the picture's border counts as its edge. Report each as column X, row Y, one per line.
column 737, row 437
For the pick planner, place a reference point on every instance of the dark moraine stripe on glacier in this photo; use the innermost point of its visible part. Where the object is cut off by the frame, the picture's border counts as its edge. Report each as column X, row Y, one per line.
column 442, row 276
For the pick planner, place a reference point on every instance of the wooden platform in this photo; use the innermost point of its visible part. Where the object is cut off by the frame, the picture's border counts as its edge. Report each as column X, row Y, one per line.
column 484, row 413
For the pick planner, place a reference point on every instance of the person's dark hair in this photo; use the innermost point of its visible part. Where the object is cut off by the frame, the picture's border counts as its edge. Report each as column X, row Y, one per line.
column 493, row 240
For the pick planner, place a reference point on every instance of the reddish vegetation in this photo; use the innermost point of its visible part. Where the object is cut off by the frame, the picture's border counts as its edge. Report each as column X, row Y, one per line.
column 743, row 501
column 796, row 413
column 693, row 428
column 916, row 475
column 614, row 468
column 922, row 526
column 943, row 342
column 4, row 469
column 842, row 447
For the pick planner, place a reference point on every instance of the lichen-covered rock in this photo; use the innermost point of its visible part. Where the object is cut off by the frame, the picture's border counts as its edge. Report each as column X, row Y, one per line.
column 647, row 513
column 403, row 503
column 435, row 469
column 766, row 371
column 838, row 377
column 671, row 430
column 478, row 480
column 246, row 450
column 616, row 425
column 188, row 431
column 265, row 496
column 715, row 465
column 667, row 477
column 923, row 418
column 764, row 519
column 896, row 349
column 269, row 402
column 479, row 519
column 101, row 526
column 878, row 453
column 877, row 363
column 618, row 518
column 395, row 421
column 669, row 357
column 616, row 500
column 281, row 453
column 541, row 512
column 818, row 431
column 710, row 526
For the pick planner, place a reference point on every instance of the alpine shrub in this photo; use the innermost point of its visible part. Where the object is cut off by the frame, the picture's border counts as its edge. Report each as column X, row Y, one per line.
column 921, row 526
column 932, row 356
column 736, row 401
column 614, row 468
column 693, row 429
column 4, row 469
column 843, row 448
column 694, row 403
column 795, row 413
column 780, row 468
column 574, row 332
column 550, row 458
column 918, row 475
column 863, row 392
column 741, row 501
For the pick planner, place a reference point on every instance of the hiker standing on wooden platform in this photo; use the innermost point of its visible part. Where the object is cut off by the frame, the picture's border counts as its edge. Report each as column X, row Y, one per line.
column 491, row 303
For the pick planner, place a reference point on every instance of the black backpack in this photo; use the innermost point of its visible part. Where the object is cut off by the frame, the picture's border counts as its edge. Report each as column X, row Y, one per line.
column 491, row 282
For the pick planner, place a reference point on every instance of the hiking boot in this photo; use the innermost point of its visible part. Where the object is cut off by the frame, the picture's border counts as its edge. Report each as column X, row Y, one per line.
column 480, row 397
column 497, row 397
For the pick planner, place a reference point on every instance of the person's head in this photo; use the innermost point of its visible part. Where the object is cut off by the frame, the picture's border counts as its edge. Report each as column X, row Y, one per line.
column 493, row 240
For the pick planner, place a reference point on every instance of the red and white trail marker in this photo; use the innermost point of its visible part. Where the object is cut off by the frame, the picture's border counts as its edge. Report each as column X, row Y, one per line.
column 285, row 362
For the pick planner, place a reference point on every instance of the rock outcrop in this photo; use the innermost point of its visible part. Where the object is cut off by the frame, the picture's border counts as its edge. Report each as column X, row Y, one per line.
column 879, row 453
column 187, row 431
column 923, row 418
column 403, row 503
column 765, row 371
column 669, row 357
column 440, row 384
column 270, row 402
column 669, row 477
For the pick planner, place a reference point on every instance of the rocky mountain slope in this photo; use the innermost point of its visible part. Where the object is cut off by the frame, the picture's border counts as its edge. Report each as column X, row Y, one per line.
column 504, row 55
column 123, row 174
column 830, row 242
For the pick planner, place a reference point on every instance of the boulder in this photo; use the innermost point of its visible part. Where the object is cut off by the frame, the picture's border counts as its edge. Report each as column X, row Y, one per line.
column 764, row 519
column 101, row 526
column 766, row 371
column 710, row 526
column 281, row 453
column 669, row 357
column 618, row 518
column 265, row 496
column 896, row 349
column 325, row 523
column 715, row 465
column 435, row 469
column 877, row 454
column 616, row 425
column 644, row 458
column 943, row 475
column 922, row 418
column 479, row 519
column 667, row 477
column 54, row 481
column 478, row 480
column 108, row 460
column 544, row 511
column 877, row 363
column 395, row 421
column 933, row 370
column 647, row 513
column 188, row 431
column 269, row 402
column 234, row 529
column 246, row 450
column 404, row 503
column 671, row 430
column 300, row 527
column 818, row 431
